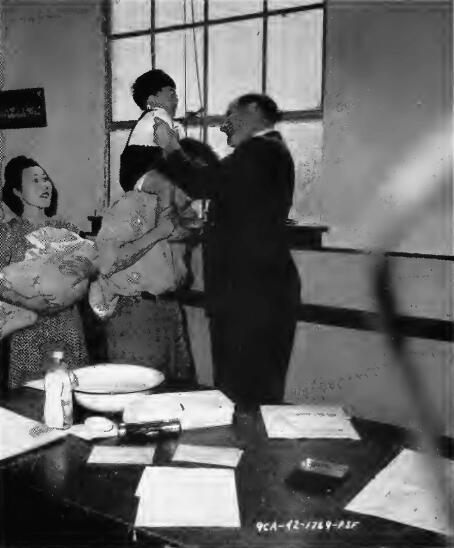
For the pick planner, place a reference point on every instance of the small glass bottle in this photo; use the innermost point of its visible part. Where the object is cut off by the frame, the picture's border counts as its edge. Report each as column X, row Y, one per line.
column 58, row 385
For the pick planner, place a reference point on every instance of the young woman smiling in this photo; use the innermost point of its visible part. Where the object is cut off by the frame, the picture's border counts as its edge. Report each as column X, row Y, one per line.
column 33, row 198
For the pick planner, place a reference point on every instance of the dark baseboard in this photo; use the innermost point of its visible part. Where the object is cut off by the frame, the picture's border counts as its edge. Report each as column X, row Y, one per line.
column 349, row 318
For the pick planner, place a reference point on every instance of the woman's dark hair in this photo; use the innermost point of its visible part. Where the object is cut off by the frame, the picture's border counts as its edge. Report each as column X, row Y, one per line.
column 150, row 83
column 268, row 107
column 196, row 151
column 199, row 152
column 13, row 181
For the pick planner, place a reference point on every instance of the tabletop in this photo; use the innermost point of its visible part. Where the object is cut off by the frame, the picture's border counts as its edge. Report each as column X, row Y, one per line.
column 272, row 514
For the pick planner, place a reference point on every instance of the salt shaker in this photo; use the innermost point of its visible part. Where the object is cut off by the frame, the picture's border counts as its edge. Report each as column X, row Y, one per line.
column 58, row 384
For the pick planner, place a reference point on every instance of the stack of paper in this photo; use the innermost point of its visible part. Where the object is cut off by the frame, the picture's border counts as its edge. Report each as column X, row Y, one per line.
column 199, row 409
column 404, row 492
column 19, row 434
column 307, row 421
column 187, row 497
column 121, row 454
column 203, row 454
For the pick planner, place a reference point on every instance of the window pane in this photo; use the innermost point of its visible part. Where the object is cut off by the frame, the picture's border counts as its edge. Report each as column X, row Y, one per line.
column 130, row 58
column 117, row 144
column 294, row 70
column 281, row 4
column 227, row 8
column 171, row 12
column 170, row 50
column 235, row 62
column 218, row 141
column 305, row 141
column 130, row 15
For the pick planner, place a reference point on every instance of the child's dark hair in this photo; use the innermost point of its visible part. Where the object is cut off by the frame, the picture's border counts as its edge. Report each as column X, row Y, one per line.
column 13, row 181
column 150, row 83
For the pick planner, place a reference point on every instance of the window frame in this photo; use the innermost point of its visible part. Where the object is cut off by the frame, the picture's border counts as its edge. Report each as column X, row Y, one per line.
column 204, row 120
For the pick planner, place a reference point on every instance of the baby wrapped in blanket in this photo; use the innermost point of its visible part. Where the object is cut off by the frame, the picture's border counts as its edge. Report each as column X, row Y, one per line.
column 54, row 274
column 135, row 255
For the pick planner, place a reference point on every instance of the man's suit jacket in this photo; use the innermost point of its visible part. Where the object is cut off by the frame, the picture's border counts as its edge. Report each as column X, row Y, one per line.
column 251, row 193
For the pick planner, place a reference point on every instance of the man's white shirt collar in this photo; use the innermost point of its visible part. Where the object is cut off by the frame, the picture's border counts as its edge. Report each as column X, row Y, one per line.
column 263, row 132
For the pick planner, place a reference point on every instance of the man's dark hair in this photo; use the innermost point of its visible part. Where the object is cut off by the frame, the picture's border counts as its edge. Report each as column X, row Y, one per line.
column 13, row 181
column 268, row 107
column 150, row 83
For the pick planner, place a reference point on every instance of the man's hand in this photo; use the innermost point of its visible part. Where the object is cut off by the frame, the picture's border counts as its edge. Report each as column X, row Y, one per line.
column 164, row 136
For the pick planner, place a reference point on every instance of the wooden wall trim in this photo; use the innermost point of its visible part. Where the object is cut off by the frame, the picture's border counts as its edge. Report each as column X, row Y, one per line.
column 349, row 318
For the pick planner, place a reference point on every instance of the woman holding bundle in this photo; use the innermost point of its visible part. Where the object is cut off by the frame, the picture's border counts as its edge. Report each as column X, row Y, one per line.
column 33, row 198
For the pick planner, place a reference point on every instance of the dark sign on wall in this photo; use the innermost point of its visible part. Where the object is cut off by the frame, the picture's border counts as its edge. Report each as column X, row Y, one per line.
column 21, row 108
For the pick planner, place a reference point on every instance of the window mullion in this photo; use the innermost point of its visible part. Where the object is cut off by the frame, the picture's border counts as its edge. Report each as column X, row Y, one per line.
column 205, row 69
column 107, row 18
column 264, row 43
column 152, row 32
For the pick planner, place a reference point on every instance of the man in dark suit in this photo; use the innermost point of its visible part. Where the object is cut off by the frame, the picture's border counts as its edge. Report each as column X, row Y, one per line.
column 253, row 287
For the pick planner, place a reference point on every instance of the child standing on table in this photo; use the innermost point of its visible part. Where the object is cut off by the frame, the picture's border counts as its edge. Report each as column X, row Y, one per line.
column 154, row 92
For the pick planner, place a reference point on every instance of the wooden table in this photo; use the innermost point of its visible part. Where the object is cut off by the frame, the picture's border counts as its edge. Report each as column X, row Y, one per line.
column 61, row 500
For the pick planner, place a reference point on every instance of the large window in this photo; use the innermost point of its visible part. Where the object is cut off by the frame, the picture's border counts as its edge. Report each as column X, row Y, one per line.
column 216, row 50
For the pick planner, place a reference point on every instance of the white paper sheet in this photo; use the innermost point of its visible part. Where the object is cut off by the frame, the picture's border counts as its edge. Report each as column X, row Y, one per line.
column 187, row 497
column 198, row 409
column 102, row 454
column 307, row 421
column 202, row 454
column 19, row 434
column 404, row 492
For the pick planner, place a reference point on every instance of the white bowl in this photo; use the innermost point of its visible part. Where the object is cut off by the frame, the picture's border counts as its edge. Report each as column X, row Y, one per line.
column 109, row 387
